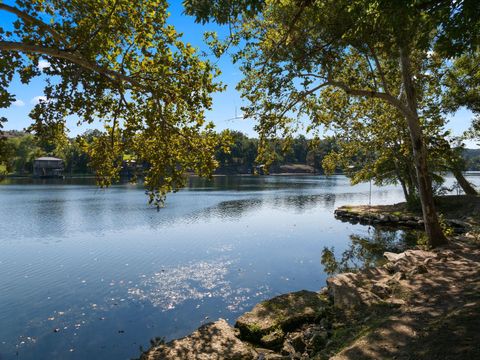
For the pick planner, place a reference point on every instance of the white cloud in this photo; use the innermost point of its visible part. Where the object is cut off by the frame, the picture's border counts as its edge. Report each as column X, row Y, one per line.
column 42, row 64
column 37, row 99
column 18, row 103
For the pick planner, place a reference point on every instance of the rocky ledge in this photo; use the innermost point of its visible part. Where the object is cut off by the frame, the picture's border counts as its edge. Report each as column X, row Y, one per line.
column 375, row 313
column 213, row 341
column 366, row 215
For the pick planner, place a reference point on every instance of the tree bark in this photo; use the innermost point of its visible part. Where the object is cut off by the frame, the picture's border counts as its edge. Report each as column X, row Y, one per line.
column 432, row 226
column 401, row 181
column 466, row 186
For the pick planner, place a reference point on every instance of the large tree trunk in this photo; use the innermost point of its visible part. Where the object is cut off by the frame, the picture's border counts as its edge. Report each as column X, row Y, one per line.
column 432, row 226
column 408, row 190
column 412, row 185
column 466, row 186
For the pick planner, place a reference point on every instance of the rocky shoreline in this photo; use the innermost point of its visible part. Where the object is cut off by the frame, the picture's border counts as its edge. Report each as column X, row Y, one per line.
column 328, row 323
column 366, row 215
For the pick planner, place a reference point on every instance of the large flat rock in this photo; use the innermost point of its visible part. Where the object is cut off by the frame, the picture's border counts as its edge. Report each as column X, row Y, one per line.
column 280, row 313
column 348, row 292
column 213, row 341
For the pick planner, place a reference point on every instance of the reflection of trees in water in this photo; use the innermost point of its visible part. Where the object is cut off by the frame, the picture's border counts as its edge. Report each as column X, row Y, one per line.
column 234, row 209
column 305, row 202
column 366, row 251
column 252, row 183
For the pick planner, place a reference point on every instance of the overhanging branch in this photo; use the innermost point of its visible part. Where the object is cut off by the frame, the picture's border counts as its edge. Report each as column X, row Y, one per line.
column 373, row 94
column 112, row 75
column 34, row 21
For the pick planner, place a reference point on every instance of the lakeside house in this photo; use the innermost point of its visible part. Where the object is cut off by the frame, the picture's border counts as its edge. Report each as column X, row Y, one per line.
column 48, row 167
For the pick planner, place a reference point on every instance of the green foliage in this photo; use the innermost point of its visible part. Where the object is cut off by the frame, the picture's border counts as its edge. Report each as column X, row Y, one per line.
column 447, row 230
column 21, row 153
column 239, row 156
column 463, row 83
column 120, row 62
column 223, row 11
column 472, row 159
column 20, row 149
column 330, row 264
column 422, row 239
column 367, row 57
column 242, row 155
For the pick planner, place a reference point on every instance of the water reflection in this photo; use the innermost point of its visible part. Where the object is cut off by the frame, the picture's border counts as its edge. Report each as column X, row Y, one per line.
column 302, row 203
column 367, row 251
column 232, row 209
column 92, row 262
column 235, row 209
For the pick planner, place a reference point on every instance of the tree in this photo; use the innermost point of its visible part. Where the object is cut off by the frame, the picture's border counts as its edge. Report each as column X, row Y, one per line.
column 296, row 49
column 298, row 150
column 463, row 83
column 21, row 151
column 474, row 131
column 117, row 61
column 318, row 150
column 241, row 154
column 374, row 144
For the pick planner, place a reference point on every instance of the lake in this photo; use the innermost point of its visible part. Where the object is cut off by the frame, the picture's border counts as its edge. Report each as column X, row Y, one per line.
column 87, row 273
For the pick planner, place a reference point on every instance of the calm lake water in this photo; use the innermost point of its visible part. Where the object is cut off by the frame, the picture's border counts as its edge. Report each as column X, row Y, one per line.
column 95, row 274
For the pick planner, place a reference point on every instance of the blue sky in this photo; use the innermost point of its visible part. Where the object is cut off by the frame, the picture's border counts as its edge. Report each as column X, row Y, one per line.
column 226, row 105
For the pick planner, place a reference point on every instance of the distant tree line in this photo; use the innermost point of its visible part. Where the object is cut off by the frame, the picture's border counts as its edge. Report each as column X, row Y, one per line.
column 472, row 159
column 298, row 154
column 243, row 154
column 20, row 149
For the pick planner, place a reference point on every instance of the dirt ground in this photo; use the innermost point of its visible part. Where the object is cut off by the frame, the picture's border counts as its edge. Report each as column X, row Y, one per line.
column 440, row 318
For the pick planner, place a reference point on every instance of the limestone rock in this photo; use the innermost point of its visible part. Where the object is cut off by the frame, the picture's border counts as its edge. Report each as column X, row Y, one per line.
column 289, row 350
column 312, row 339
column 267, row 354
column 393, row 257
column 213, row 341
column 394, row 218
column 346, row 293
column 419, row 269
column 395, row 278
column 282, row 312
column 390, row 267
column 273, row 339
column 297, row 341
column 381, row 289
column 420, row 254
column 276, row 357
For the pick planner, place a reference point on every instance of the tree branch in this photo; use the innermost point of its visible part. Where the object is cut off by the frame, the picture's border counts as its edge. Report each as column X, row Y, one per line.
column 373, row 94
column 34, row 21
column 112, row 75
column 301, row 97
column 379, row 67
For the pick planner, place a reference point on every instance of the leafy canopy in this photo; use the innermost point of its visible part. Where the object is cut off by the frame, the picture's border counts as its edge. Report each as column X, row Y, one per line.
column 298, row 52
column 121, row 63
